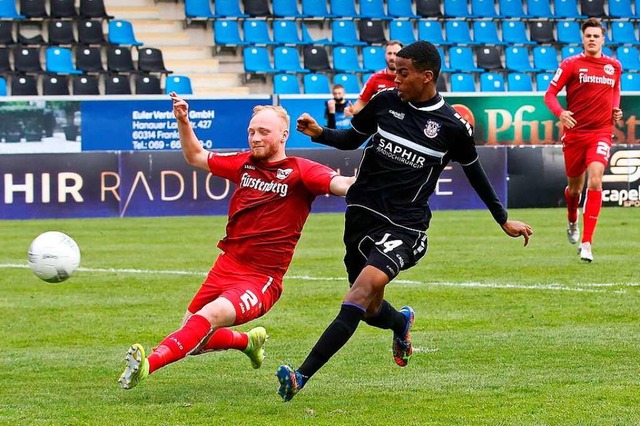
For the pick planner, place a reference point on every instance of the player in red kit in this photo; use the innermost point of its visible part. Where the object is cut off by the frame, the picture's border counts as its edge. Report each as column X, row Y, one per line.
column 592, row 82
column 382, row 79
column 267, row 212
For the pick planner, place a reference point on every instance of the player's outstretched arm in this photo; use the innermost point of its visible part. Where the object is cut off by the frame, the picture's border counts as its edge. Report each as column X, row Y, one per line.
column 192, row 149
column 307, row 125
column 340, row 185
column 515, row 228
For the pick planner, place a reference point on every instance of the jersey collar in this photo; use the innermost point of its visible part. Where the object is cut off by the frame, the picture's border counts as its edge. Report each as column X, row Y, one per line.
column 431, row 105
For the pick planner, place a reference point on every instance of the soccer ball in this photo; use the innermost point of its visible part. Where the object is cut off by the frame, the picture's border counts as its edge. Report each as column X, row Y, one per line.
column 54, row 256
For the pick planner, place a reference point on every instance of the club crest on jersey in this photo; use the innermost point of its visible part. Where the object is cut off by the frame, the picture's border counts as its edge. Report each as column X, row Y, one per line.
column 431, row 129
column 283, row 174
column 609, row 69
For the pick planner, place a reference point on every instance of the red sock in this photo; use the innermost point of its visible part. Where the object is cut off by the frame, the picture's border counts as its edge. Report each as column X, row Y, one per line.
column 226, row 338
column 180, row 343
column 592, row 206
column 572, row 205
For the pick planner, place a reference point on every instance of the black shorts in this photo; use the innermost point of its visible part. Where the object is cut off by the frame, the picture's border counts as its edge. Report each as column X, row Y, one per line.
column 372, row 240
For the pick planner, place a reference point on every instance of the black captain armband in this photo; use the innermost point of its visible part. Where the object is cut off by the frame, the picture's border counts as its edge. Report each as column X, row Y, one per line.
column 345, row 139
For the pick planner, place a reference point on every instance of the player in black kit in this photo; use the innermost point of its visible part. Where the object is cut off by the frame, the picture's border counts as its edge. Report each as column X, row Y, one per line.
column 415, row 134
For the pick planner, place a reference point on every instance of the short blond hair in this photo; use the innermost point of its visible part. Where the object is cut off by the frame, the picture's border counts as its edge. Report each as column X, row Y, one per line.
column 280, row 112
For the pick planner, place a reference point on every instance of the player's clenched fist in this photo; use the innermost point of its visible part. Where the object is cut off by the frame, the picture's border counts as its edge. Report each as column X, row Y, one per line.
column 308, row 125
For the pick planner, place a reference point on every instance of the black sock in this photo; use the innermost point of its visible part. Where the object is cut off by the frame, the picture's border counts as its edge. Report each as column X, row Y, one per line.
column 388, row 318
column 334, row 337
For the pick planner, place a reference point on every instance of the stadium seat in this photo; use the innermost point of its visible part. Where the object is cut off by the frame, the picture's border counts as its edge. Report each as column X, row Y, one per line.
column 33, row 9
column 316, row 9
column 515, row 33
column 346, row 59
column 519, row 82
column 85, row 85
column 629, row 58
column 458, row 32
column 491, row 82
column 286, row 84
column 593, row 8
column 150, row 60
column 61, row 32
column 349, row 81
column 181, row 84
column 90, row 32
column 545, row 58
column 461, row 60
column 27, row 60
column 228, row 9
column 543, row 80
column 55, row 85
column 257, row 8
column 287, row 9
column 462, row 82
column 343, row 32
column 517, row 59
column 89, row 59
column 456, row 9
column 5, row 61
column 489, row 57
column 402, row 30
column 198, row 10
column 316, row 84
column 257, row 60
column 63, row 9
column 366, row 77
column 569, row 32
column 121, row 32
column 24, row 85
column 539, row 9
column 59, row 60
column 444, row 63
column 119, row 59
column 373, row 58
column 226, row 33
column 256, row 32
column 429, row 8
column 566, row 9
column 285, row 33
column 93, row 9
column 431, row 30
column 6, row 33
column 483, row 9
column 486, row 32
column 287, row 59
column 316, row 58
column 147, row 85
column 621, row 9
column 511, row 9
column 117, row 85
column 542, row 32
column 606, row 50
column 371, row 31
column 568, row 51
column 3, row 87
column 8, row 10
column 35, row 39
column 630, row 82
column 624, row 32
column 373, row 9
column 343, row 8
column 401, row 9
column 307, row 39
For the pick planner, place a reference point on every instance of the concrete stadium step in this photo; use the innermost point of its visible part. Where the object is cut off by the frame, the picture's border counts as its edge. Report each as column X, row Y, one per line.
column 193, row 66
column 161, row 39
column 187, row 53
column 169, row 26
column 206, row 81
column 134, row 12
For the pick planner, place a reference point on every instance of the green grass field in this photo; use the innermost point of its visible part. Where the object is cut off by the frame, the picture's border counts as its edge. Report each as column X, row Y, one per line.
column 504, row 335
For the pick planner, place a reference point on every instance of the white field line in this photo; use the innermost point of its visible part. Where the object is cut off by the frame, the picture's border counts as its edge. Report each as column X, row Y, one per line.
column 579, row 287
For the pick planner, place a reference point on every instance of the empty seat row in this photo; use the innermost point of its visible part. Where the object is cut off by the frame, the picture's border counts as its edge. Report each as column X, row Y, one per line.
column 316, row 83
column 38, row 9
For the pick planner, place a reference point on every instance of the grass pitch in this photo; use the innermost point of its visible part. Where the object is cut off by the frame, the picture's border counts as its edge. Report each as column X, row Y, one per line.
column 504, row 335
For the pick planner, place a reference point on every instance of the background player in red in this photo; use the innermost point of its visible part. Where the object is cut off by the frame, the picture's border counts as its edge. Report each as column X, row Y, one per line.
column 592, row 82
column 267, row 212
column 380, row 79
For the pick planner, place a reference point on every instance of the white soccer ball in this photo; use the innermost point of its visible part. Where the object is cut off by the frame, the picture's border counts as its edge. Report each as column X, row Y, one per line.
column 54, row 256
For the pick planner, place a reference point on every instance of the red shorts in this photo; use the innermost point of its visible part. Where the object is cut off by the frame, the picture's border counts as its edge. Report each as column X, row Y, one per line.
column 582, row 149
column 251, row 293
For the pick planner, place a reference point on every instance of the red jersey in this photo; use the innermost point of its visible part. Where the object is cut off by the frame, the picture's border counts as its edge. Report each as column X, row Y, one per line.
column 593, row 90
column 378, row 81
column 269, row 206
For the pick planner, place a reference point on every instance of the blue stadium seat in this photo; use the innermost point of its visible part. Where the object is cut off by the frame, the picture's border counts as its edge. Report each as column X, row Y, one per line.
column 511, row 9
column 349, row 81
column 285, row 32
column 567, row 9
column 316, row 84
column 316, row 9
column 621, row 9
column 366, row 77
column 401, row 9
column 517, row 59
column 59, row 60
column 181, row 84
column 431, row 30
column 121, row 32
column 373, row 58
column 462, row 82
column 568, row 51
column 343, row 32
column 343, row 8
column 458, row 9
column 483, row 9
column 515, row 33
column 402, row 30
column 229, row 9
column 630, row 82
column 198, row 10
column 545, row 58
column 257, row 60
column 8, row 10
column 629, row 58
column 226, row 32
column 486, row 32
column 307, row 39
column 444, row 62
column 457, row 31
column 519, row 82
column 286, row 84
column 461, row 60
column 607, row 51
column 569, row 32
column 287, row 9
column 346, row 59
column 540, row 9
column 3, row 86
column 543, row 80
column 624, row 32
column 256, row 32
column 287, row 59
column 492, row 82
column 373, row 9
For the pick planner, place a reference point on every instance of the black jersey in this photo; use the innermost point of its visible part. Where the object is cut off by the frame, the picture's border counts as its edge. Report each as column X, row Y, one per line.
column 410, row 147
